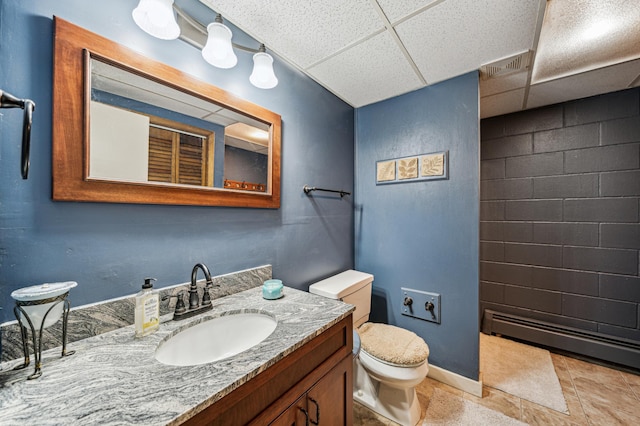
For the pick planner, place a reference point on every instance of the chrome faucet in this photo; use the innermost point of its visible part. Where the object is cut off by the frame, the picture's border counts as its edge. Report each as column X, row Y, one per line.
column 195, row 307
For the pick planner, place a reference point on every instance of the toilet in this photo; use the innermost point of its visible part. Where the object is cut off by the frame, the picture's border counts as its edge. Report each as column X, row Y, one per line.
column 389, row 362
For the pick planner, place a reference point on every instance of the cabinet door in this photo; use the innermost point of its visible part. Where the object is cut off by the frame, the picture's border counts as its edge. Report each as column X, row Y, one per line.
column 329, row 401
column 295, row 415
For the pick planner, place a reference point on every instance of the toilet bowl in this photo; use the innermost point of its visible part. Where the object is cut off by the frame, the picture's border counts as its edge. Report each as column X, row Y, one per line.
column 397, row 376
column 388, row 361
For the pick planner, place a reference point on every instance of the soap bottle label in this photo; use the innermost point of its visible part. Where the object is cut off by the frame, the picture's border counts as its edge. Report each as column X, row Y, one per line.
column 150, row 313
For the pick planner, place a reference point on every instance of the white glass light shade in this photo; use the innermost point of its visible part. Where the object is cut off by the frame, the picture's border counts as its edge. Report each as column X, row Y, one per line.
column 263, row 76
column 156, row 17
column 218, row 50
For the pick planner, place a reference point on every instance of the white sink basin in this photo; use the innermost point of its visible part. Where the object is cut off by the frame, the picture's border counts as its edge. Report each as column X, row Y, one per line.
column 215, row 339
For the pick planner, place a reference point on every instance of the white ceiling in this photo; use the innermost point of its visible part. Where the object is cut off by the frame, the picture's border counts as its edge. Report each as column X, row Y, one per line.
column 365, row 51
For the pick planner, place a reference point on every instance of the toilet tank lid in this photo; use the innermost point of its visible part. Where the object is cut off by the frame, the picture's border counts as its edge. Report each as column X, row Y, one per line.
column 341, row 285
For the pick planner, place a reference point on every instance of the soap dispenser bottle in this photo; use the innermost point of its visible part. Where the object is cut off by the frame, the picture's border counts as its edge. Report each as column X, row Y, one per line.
column 147, row 311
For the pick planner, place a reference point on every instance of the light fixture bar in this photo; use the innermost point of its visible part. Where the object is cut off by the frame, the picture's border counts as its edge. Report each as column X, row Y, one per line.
column 191, row 31
column 195, row 33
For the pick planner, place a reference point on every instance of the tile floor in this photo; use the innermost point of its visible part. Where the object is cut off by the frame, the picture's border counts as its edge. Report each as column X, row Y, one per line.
column 595, row 395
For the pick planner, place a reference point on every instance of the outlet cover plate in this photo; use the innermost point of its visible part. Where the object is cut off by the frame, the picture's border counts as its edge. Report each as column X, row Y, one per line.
column 419, row 300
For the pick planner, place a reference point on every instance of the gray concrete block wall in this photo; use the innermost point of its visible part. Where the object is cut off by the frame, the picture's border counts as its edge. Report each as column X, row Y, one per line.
column 560, row 214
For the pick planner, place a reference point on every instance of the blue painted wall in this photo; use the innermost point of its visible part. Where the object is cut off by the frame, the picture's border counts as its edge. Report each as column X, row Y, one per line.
column 109, row 248
column 424, row 235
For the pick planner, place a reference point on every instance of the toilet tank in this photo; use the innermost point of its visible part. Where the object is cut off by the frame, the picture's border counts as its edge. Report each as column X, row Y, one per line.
column 353, row 287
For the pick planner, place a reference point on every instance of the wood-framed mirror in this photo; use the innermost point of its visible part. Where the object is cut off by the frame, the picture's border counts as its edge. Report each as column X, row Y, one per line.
column 129, row 129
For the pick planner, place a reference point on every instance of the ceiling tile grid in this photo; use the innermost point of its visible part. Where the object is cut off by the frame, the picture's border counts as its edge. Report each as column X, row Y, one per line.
column 457, row 36
column 395, row 10
column 365, row 51
column 303, row 31
column 373, row 71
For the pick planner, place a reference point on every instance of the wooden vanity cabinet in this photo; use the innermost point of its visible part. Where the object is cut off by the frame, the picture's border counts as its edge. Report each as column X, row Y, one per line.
column 325, row 403
column 316, row 379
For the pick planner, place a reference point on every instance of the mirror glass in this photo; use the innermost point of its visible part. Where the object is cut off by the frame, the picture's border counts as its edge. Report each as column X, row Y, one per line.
column 130, row 129
column 144, row 131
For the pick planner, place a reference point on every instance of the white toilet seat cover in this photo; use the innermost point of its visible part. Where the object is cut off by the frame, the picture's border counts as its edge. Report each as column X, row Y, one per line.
column 392, row 344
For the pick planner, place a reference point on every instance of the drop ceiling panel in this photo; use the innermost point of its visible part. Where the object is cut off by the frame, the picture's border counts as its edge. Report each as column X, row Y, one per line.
column 502, row 103
column 455, row 36
column 582, row 35
column 492, row 86
column 602, row 80
column 302, row 31
column 398, row 9
column 373, row 71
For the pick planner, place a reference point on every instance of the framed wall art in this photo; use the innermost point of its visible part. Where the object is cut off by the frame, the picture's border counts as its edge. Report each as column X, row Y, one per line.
column 422, row 167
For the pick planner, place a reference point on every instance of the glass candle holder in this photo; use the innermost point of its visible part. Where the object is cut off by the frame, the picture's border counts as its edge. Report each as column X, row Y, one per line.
column 39, row 307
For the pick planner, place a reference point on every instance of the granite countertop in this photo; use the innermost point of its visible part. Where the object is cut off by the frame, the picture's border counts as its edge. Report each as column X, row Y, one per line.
column 114, row 378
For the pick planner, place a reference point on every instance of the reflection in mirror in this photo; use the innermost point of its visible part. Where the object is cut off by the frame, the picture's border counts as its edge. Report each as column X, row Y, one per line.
column 144, row 131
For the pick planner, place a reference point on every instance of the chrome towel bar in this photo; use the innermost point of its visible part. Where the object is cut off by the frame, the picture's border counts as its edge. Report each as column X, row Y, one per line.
column 307, row 189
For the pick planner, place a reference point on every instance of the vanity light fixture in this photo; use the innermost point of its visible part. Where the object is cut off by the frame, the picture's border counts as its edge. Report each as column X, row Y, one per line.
column 156, row 18
column 219, row 51
column 263, row 76
column 214, row 40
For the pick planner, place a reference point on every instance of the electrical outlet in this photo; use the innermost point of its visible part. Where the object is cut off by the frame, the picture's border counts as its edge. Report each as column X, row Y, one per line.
column 421, row 304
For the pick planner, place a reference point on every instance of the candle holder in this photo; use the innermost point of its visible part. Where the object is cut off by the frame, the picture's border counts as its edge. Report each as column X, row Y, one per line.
column 41, row 306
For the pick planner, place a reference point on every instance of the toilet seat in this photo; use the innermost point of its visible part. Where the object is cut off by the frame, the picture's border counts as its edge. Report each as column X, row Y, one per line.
column 392, row 345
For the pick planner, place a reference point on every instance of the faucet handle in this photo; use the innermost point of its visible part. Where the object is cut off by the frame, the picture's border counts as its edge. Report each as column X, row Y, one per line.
column 180, row 305
column 206, row 296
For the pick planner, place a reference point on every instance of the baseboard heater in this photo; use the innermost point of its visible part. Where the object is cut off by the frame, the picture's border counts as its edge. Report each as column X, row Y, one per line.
column 596, row 345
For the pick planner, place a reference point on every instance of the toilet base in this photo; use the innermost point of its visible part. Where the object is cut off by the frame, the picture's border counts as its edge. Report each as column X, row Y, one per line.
column 400, row 405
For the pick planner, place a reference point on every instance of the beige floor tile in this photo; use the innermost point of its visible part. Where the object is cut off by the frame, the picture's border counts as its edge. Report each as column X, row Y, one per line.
column 615, row 398
column 507, row 404
column 592, row 390
column 425, row 390
column 535, row 414
column 598, row 373
column 575, row 408
column 362, row 416
column 633, row 380
column 564, row 376
column 426, row 387
column 610, row 413
column 448, row 388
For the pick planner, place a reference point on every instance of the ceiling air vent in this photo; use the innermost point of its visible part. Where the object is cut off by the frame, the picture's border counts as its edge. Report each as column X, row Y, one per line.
column 511, row 65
